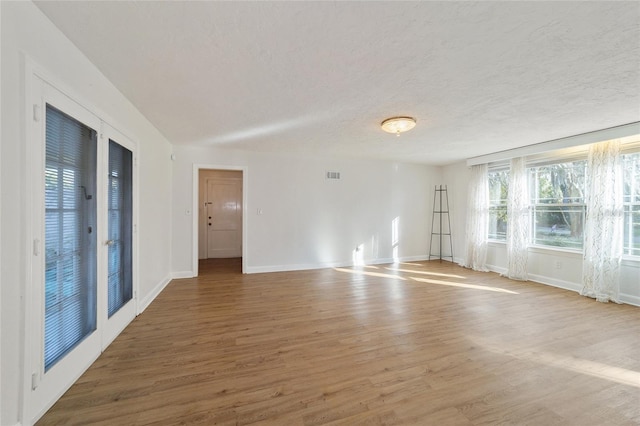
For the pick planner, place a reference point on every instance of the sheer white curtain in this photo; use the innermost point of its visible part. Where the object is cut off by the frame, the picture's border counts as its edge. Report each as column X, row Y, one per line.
column 603, row 226
column 518, row 220
column 475, row 255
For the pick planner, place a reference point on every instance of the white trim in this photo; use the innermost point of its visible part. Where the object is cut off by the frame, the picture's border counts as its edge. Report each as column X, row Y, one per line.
column 27, row 308
column 458, row 261
column 195, row 206
column 144, row 303
column 329, row 265
column 567, row 285
column 554, row 282
column 1, row 381
column 631, row 261
column 567, row 142
column 629, row 299
column 628, row 260
column 411, row 259
column 182, row 274
column 497, row 269
column 556, row 251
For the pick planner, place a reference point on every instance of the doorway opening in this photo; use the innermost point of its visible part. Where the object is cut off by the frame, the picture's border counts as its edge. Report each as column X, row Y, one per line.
column 220, row 222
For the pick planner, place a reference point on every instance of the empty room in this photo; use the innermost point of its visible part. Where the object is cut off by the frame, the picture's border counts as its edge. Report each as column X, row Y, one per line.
column 319, row 213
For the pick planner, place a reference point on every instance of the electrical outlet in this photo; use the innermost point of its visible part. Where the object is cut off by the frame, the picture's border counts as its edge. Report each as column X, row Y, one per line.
column 558, row 264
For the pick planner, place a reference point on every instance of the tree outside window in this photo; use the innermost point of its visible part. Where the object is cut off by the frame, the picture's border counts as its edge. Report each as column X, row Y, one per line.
column 498, row 191
column 558, row 204
column 631, row 202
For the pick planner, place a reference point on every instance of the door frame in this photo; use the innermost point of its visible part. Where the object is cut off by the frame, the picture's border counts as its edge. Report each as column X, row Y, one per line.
column 195, row 216
column 38, row 392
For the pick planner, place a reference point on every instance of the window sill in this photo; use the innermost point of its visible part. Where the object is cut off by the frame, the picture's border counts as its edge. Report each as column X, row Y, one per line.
column 539, row 248
column 629, row 260
column 545, row 249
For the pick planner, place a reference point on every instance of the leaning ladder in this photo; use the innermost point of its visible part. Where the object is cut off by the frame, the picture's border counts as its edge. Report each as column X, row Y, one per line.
column 440, row 210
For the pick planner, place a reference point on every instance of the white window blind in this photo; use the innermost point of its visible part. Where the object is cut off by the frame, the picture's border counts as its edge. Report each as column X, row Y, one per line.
column 70, row 234
column 120, row 280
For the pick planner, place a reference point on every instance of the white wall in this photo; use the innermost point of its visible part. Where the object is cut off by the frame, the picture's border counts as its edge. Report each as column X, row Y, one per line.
column 456, row 177
column 554, row 267
column 25, row 29
column 308, row 221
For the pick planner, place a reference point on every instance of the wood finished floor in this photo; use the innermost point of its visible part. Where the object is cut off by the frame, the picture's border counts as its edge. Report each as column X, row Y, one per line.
column 423, row 343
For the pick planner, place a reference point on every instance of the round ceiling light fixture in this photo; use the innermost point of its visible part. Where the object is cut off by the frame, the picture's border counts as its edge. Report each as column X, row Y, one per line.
column 398, row 125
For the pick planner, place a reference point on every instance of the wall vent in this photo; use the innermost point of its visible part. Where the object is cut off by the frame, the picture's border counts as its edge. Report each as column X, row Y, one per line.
column 333, row 175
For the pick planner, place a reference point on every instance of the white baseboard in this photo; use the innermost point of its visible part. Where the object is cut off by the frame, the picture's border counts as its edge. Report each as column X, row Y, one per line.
column 409, row 259
column 144, row 303
column 566, row 285
column 182, row 274
column 324, row 265
column 497, row 269
column 630, row 299
column 289, row 268
column 297, row 267
column 541, row 279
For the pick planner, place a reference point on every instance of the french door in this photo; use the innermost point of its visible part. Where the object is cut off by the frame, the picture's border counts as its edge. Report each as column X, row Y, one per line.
column 84, row 278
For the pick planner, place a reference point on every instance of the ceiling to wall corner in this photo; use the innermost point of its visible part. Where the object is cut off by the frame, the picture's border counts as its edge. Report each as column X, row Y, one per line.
column 319, row 77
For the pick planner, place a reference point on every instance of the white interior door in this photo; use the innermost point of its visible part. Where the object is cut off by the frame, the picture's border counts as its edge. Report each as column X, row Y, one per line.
column 224, row 217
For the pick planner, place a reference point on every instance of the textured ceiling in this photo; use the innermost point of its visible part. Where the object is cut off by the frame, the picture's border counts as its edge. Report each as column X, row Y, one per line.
column 319, row 77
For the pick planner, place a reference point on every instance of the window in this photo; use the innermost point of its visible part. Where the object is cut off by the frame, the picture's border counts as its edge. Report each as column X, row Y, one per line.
column 558, row 208
column 498, row 190
column 631, row 203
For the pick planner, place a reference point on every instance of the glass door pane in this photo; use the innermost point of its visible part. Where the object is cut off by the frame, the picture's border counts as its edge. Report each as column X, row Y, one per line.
column 70, row 234
column 120, row 221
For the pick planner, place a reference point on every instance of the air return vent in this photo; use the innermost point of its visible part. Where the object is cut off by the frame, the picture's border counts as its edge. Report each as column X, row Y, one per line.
column 333, row 175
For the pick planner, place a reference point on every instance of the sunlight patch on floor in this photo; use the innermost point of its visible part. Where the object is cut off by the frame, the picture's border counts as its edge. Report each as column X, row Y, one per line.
column 369, row 274
column 583, row 366
column 437, row 274
column 461, row 285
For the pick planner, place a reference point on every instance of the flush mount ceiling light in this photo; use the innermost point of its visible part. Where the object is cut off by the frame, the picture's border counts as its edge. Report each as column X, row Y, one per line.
column 398, row 125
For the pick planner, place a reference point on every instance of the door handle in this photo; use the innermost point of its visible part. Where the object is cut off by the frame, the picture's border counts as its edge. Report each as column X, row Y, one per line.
column 109, row 243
